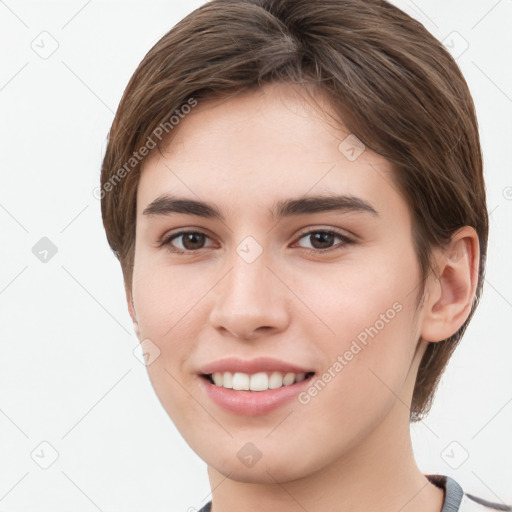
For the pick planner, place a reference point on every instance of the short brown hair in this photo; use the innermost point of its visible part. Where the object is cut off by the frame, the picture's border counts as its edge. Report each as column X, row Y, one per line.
column 393, row 84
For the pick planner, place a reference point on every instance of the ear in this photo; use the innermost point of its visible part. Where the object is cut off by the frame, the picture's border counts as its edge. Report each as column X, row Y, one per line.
column 133, row 314
column 450, row 293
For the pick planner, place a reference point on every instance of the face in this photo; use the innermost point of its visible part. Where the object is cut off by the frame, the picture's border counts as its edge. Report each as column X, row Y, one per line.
column 315, row 299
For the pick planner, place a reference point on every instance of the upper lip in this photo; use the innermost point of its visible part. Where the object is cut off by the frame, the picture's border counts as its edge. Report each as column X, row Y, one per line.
column 250, row 366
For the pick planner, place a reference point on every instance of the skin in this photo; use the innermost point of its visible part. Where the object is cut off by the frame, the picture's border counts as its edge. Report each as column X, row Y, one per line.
column 349, row 448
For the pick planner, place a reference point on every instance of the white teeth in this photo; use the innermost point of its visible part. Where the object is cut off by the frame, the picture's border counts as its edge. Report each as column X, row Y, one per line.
column 227, row 380
column 218, row 378
column 260, row 381
column 241, row 381
column 275, row 381
column 288, row 379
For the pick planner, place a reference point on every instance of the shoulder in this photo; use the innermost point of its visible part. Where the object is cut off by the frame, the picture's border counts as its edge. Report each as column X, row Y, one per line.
column 456, row 500
column 207, row 507
column 472, row 503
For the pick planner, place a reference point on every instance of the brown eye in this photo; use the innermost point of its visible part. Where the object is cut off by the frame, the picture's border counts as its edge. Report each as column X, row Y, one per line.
column 190, row 241
column 324, row 239
column 321, row 239
column 193, row 241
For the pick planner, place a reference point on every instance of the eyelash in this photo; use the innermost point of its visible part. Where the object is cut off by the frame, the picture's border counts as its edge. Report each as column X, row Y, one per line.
column 345, row 240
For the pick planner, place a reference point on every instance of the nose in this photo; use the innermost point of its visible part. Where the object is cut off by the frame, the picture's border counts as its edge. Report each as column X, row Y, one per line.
column 250, row 301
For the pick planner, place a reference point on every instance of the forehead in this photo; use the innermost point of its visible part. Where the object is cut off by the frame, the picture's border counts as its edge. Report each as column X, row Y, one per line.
column 262, row 146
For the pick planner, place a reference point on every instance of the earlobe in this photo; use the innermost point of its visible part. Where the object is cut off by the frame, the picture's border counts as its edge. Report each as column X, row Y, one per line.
column 451, row 293
column 137, row 330
column 133, row 314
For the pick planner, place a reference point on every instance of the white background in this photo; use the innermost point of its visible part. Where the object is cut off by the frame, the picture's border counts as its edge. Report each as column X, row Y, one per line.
column 68, row 374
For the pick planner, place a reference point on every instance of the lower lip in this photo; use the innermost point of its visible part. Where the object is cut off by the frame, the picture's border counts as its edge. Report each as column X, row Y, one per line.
column 252, row 403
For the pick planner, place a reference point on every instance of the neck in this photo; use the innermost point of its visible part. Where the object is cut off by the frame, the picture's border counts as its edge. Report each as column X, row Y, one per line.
column 379, row 474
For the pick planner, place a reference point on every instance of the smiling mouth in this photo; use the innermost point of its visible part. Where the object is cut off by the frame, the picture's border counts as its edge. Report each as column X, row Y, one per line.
column 261, row 381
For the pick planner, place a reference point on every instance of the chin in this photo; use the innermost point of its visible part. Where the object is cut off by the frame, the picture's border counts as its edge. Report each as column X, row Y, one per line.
column 273, row 464
column 268, row 472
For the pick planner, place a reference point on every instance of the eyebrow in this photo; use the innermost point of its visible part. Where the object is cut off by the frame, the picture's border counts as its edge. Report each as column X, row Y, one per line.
column 169, row 204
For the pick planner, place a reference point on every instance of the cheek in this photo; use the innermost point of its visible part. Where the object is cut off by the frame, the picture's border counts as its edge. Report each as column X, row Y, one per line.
column 366, row 369
column 356, row 297
column 169, row 311
column 167, row 299
column 364, row 323
column 167, row 303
